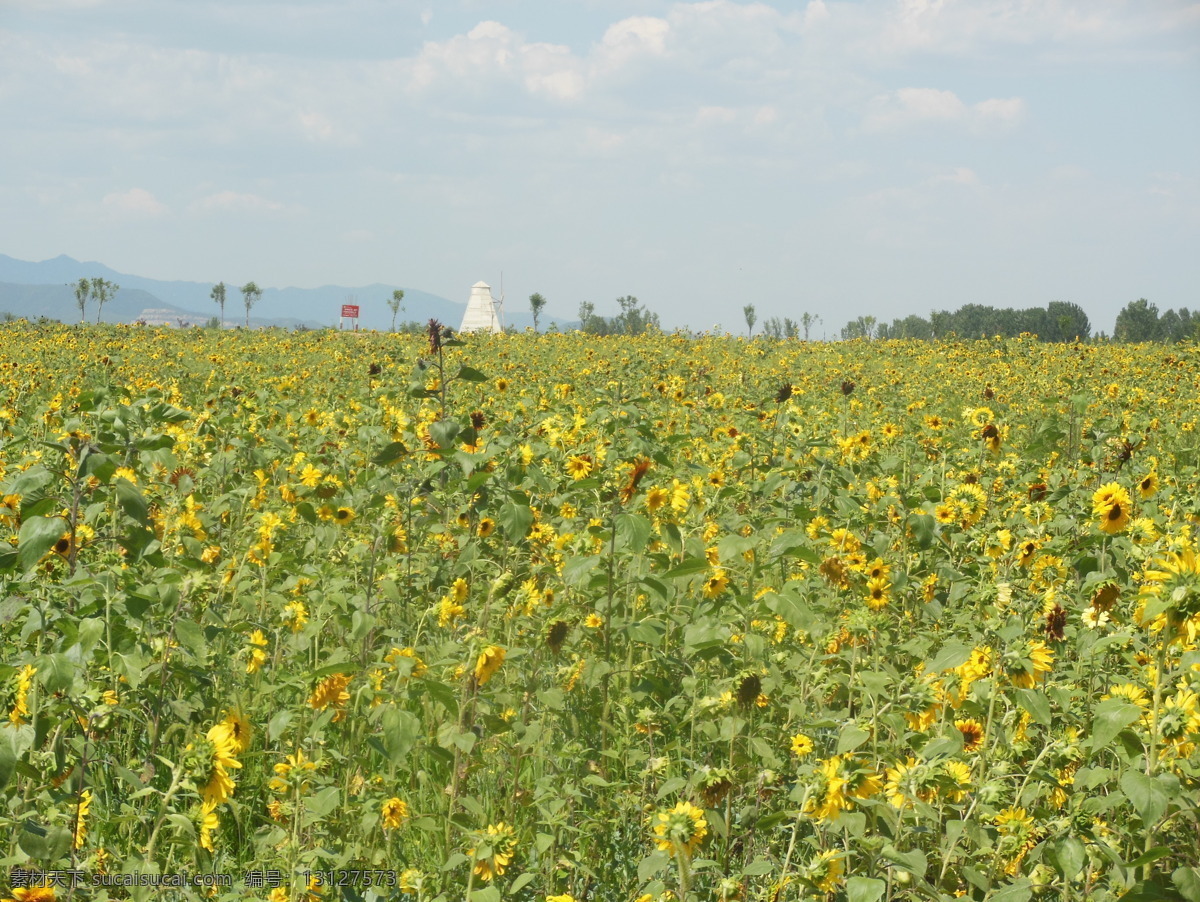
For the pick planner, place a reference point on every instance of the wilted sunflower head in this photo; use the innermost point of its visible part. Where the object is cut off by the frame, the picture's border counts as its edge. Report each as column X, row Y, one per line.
column 714, row 785
column 557, row 635
column 749, row 688
column 1056, row 619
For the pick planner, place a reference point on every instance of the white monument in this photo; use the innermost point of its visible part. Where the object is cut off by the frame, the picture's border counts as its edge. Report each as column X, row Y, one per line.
column 484, row 313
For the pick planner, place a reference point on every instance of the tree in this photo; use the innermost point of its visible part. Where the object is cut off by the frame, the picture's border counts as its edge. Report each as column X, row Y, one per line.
column 633, row 318
column 250, row 295
column 863, row 327
column 395, row 303
column 1137, row 321
column 83, row 290
column 536, row 304
column 751, row 319
column 103, row 291
column 587, row 312
column 218, row 295
column 1067, row 322
column 808, row 320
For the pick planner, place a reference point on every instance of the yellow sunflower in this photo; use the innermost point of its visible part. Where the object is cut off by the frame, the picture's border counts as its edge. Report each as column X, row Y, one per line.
column 1110, row 505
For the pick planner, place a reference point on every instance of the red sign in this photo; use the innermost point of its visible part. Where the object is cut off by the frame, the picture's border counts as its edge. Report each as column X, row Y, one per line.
column 350, row 311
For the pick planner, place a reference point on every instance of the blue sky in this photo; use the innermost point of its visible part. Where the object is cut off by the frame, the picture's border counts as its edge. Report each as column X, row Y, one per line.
column 842, row 158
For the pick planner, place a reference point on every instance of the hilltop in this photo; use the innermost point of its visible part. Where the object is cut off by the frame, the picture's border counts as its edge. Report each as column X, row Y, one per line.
column 33, row 289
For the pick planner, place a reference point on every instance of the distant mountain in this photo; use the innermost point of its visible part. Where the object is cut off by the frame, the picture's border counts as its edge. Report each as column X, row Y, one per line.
column 41, row 289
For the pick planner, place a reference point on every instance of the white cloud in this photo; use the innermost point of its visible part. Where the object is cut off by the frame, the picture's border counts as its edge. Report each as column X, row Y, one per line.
column 999, row 112
column 915, row 106
column 236, row 202
column 631, row 38
column 136, row 203
column 960, row 176
column 912, row 105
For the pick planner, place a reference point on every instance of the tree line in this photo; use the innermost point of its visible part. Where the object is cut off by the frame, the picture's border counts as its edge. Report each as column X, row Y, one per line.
column 1058, row 321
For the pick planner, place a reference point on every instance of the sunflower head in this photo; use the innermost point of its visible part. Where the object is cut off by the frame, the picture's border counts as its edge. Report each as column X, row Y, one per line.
column 557, row 635
column 748, row 689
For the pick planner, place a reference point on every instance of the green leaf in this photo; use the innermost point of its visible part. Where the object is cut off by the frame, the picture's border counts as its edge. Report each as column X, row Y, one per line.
column 689, row 567
column 56, row 672
column 1148, row 796
column 443, row 433
column 1149, row 891
column 864, row 889
column 851, row 737
column 487, row 894
column 14, row 742
column 953, row 654
column 132, row 502
column 1019, row 891
column 913, row 861
column 1070, row 856
column 470, row 374
column 577, row 569
column 1111, row 717
column 759, row 867
column 1149, row 857
column 924, row 529
column 401, row 729
column 633, row 532
column 1187, row 881
column 191, row 636
column 322, row 802
column 390, row 454
column 38, row 535
column 1036, row 704
column 44, row 843
column 515, row 520
column 652, row 864
column 521, row 882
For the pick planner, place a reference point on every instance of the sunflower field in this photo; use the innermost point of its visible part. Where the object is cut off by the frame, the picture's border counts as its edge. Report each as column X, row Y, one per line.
column 555, row 618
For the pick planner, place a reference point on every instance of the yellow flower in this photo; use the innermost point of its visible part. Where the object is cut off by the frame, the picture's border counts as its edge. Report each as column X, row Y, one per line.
column 716, row 584
column 877, row 593
column 343, row 515
column 501, row 840
column 656, row 498
column 488, row 663
column 410, row 881
column 209, row 822
column 1029, row 664
column 802, row 746
column 565, row 897
column 1110, row 505
column 257, row 655
column 579, row 466
column 85, row 803
column 593, row 621
column 680, row 830
column 331, row 692
column 296, row 614
column 825, row 872
column 20, row 708
column 219, row 784
column 33, row 894
column 395, row 813
column 972, row 734
column 237, row 727
column 1171, row 596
